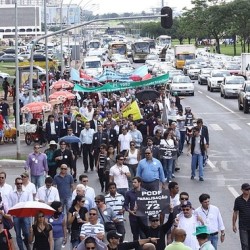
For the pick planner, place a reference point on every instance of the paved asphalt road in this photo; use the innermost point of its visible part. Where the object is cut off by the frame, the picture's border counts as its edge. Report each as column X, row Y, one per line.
column 228, row 165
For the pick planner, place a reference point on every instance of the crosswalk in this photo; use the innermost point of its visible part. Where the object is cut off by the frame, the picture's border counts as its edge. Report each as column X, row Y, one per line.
column 221, row 127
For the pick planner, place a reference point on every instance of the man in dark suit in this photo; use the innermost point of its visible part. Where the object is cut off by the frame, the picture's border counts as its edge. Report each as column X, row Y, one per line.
column 64, row 122
column 77, row 125
column 112, row 135
column 100, row 137
column 153, row 148
column 95, row 122
column 52, row 129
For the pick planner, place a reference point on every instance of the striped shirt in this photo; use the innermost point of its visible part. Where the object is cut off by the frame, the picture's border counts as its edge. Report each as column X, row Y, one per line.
column 116, row 203
column 89, row 229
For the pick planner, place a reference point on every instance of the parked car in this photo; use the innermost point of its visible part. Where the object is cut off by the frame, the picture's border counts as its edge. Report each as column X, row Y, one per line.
column 10, row 58
column 231, row 86
column 40, row 58
column 182, row 85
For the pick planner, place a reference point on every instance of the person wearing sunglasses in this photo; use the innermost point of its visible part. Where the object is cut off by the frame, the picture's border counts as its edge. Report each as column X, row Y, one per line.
column 37, row 164
column 184, row 197
column 188, row 221
column 21, row 224
column 92, row 228
column 91, row 243
column 42, row 232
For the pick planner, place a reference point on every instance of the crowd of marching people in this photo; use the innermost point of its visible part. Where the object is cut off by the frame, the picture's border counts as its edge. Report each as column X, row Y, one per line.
column 129, row 156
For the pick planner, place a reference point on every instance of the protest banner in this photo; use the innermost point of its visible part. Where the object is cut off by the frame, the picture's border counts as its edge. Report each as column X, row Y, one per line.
column 152, row 203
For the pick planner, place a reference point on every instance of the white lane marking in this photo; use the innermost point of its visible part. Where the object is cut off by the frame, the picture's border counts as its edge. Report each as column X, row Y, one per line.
column 200, row 92
column 233, row 191
column 215, row 126
column 234, row 126
column 210, row 164
column 223, row 106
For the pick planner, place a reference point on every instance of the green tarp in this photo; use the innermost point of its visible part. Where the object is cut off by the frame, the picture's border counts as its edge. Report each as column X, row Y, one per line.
column 116, row 86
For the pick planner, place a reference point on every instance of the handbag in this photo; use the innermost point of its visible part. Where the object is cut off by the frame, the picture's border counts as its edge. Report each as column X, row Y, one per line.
column 108, row 225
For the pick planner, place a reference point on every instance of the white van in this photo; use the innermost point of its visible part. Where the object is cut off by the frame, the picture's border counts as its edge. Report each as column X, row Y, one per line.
column 92, row 65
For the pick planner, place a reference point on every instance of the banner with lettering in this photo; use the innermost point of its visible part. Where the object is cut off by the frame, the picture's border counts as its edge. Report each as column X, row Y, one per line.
column 152, row 203
column 117, row 86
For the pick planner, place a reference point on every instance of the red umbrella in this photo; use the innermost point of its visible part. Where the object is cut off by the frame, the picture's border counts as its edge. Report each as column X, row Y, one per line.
column 30, row 209
column 62, row 84
column 36, row 107
column 62, row 95
column 135, row 78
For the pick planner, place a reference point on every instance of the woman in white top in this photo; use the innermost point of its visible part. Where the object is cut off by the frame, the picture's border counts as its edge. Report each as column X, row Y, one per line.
column 132, row 157
column 168, row 147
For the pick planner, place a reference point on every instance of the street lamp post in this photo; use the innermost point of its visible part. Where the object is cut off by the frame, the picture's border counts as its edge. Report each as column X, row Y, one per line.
column 46, row 51
column 17, row 118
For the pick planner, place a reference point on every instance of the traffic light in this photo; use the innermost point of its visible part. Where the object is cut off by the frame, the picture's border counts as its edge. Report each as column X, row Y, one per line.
column 166, row 21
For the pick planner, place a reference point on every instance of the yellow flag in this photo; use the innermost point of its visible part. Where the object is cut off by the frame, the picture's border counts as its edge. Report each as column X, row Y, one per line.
column 132, row 109
column 83, row 118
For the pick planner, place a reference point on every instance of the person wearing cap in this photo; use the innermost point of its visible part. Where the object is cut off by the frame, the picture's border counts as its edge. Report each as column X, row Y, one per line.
column 242, row 211
column 28, row 185
column 202, row 234
column 113, row 239
column 213, row 220
column 47, row 193
column 188, row 220
column 179, row 237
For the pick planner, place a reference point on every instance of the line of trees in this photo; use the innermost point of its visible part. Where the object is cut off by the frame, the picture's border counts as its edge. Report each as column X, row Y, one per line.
column 208, row 19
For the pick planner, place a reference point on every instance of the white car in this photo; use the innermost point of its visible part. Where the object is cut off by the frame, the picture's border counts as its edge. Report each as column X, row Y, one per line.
column 3, row 75
column 216, row 78
column 193, row 71
column 181, row 85
column 231, row 86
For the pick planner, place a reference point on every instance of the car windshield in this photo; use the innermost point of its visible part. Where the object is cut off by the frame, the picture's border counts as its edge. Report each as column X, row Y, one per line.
column 95, row 64
column 181, row 80
column 235, row 81
column 205, row 71
column 221, row 74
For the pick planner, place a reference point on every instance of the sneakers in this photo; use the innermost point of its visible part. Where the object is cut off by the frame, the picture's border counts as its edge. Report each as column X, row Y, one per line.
column 201, row 179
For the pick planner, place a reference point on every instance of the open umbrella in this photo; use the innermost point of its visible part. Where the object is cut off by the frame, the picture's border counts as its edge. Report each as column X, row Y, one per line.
column 30, row 209
column 62, row 95
column 147, row 94
column 36, row 107
column 70, row 139
column 62, row 84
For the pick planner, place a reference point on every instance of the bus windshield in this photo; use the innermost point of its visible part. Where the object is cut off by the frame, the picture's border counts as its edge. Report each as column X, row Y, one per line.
column 119, row 49
column 142, row 47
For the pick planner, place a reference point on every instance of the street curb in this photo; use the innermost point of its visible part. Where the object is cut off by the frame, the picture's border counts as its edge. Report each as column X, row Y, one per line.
column 12, row 163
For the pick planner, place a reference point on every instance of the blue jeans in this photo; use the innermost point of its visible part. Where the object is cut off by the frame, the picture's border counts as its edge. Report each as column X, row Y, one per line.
column 58, row 243
column 214, row 240
column 21, row 225
column 182, row 140
column 37, row 180
column 197, row 158
column 244, row 239
column 168, row 168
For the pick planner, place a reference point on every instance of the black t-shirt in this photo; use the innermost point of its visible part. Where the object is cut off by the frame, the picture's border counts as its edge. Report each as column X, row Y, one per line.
column 3, row 240
column 126, row 246
column 82, row 212
column 4, row 107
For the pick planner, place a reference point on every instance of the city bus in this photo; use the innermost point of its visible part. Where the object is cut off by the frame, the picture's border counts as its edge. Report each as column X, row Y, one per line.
column 162, row 41
column 117, row 48
column 140, row 50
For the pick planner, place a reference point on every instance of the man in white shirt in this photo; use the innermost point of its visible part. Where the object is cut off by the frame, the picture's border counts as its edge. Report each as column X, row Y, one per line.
column 28, row 185
column 124, row 140
column 47, row 193
column 119, row 174
column 212, row 218
column 86, row 138
column 89, row 191
column 5, row 189
column 21, row 224
column 84, row 108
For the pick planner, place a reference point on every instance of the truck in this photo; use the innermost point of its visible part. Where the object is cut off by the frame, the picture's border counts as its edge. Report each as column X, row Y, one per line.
column 244, row 97
column 245, row 65
column 182, row 53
